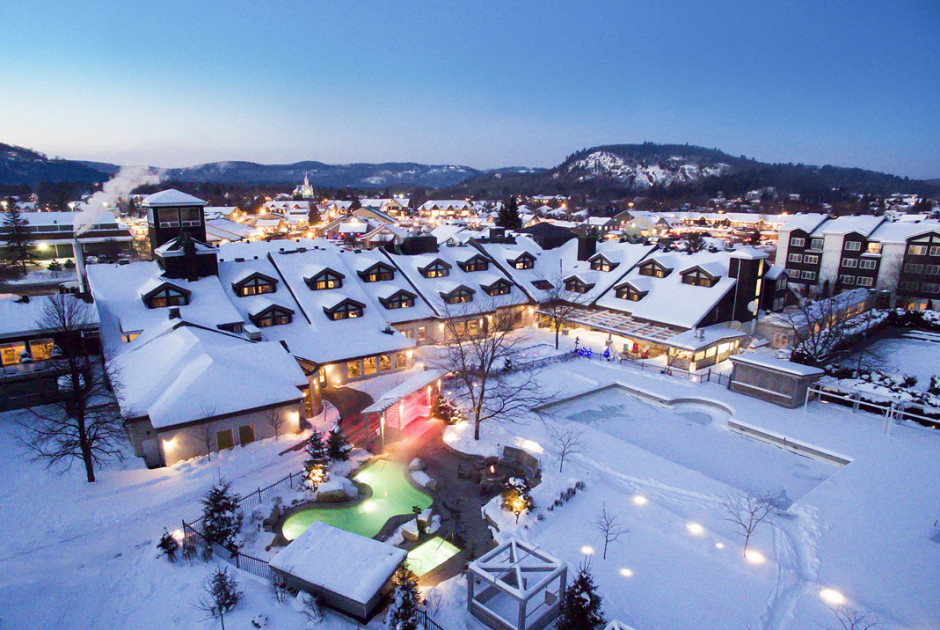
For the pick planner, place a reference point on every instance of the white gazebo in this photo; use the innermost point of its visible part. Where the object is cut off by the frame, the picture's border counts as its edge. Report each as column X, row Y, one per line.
column 516, row 587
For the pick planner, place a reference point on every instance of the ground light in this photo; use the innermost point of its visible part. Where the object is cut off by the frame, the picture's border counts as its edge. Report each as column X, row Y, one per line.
column 719, row 545
column 755, row 557
column 832, row 596
column 625, row 572
column 640, row 499
column 695, row 529
column 587, row 550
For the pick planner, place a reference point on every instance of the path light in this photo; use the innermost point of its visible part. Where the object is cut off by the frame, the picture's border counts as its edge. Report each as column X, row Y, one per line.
column 755, row 557
column 587, row 550
column 368, row 506
column 832, row 596
column 625, row 572
column 639, row 499
column 720, row 545
column 695, row 529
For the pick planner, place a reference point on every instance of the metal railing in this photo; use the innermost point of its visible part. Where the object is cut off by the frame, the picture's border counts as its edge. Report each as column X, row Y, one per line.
column 859, row 401
column 694, row 377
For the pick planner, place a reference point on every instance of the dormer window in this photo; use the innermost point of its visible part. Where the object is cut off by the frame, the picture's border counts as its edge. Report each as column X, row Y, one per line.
column 347, row 309
column 477, row 263
column 600, row 263
column 500, row 287
column 654, row 269
column 458, row 296
column 379, row 272
column 436, row 269
column 627, row 291
column 577, row 285
column 166, row 295
column 326, row 279
column 255, row 284
column 543, row 285
column 523, row 261
column 696, row 276
column 399, row 299
column 274, row 315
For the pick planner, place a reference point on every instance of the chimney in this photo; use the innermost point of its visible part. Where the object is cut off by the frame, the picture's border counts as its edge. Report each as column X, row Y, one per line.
column 587, row 247
column 175, row 313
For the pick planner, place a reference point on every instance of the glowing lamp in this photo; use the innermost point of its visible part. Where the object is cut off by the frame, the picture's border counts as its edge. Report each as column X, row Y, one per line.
column 832, row 596
column 695, row 529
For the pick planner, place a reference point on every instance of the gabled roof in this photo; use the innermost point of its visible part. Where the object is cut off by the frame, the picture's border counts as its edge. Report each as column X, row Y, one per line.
column 158, row 283
column 714, row 270
column 251, row 274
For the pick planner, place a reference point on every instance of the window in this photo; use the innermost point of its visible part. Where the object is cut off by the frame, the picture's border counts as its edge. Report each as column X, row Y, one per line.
column 816, row 243
column 575, row 285
column 933, row 270
column 401, row 359
column 385, row 362
column 797, row 241
column 458, row 296
column 913, row 268
column 477, row 263
column 811, row 259
column 852, row 246
column 190, row 217
column 326, row 279
column 809, row 275
column 254, row 286
column 793, row 273
column 500, row 287
column 379, row 272
column 917, row 250
column 543, row 285
column 225, row 439
column 874, row 248
column 795, row 258
column 867, row 263
column 166, row 297
column 847, row 279
column 698, row 278
column 353, row 369
column 629, row 293
column 347, row 309
column 935, row 250
column 11, row 352
column 908, row 285
column 41, row 349
column 654, row 269
column 369, row 366
column 437, row 269
column 850, row 263
column 931, row 287
column 422, row 334
column 401, row 299
column 274, row 316
column 169, row 217
column 602, row 264
column 246, row 434
column 864, row 282
column 525, row 261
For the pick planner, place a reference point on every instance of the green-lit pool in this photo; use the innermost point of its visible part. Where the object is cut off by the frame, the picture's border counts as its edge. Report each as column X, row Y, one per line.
column 429, row 554
column 392, row 495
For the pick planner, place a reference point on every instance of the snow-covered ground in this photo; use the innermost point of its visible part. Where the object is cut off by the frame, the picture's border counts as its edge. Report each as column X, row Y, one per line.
column 912, row 353
column 78, row 555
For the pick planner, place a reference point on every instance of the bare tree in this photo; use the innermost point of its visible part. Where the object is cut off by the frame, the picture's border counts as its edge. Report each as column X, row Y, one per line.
column 819, row 326
column 275, row 419
column 746, row 512
column 851, row 619
column 608, row 524
column 84, row 422
column 479, row 356
column 564, row 442
column 204, row 430
column 560, row 304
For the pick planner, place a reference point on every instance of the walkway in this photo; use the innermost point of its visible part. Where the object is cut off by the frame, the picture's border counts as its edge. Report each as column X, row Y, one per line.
column 350, row 403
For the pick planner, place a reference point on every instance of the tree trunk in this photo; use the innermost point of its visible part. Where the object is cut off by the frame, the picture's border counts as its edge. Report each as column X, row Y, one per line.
column 86, row 450
column 557, row 332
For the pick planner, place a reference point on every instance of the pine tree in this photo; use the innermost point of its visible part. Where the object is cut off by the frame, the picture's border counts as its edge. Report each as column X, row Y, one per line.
column 220, row 594
column 15, row 236
column 509, row 215
column 403, row 613
column 317, row 465
column 337, row 445
column 221, row 517
column 168, row 545
column 581, row 605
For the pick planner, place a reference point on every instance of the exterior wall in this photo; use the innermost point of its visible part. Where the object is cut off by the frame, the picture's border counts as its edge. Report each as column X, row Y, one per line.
column 892, row 260
column 786, row 249
column 184, row 443
column 780, row 388
column 334, row 374
column 831, row 256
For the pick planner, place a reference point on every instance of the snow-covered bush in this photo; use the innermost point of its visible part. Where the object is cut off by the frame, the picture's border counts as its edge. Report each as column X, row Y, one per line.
column 404, row 611
column 317, row 464
column 337, row 445
column 313, row 614
column 566, row 495
column 168, row 546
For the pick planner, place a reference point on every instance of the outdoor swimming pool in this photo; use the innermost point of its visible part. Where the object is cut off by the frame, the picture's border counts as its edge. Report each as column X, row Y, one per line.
column 695, row 435
column 430, row 554
column 392, row 495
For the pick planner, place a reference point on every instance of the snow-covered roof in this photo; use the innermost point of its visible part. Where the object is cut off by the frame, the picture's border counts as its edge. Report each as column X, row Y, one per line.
column 863, row 225
column 780, row 365
column 697, row 339
column 806, row 222
column 901, row 231
column 186, row 373
column 340, row 562
column 171, row 197
column 408, row 387
column 18, row 319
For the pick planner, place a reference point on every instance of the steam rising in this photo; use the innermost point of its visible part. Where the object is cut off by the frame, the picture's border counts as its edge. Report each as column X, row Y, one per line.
column 105, row 200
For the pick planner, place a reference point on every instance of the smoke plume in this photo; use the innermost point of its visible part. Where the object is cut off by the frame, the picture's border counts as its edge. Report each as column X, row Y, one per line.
column 123, row 183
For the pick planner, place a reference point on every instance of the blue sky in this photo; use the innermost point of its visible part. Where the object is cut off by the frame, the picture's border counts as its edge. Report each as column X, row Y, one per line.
column 479, row 83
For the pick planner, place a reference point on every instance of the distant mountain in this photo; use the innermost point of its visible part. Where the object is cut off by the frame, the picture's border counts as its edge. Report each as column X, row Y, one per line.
column 325, row 175
column 19, row 165
column 637, row 168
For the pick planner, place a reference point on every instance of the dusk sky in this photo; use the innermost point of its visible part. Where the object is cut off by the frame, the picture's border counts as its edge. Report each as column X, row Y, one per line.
column 485, row 84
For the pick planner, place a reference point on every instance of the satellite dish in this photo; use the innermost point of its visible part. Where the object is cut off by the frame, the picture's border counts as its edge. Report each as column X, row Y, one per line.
column 752, row 306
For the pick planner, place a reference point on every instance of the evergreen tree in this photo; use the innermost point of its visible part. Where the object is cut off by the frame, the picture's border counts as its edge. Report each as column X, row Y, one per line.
column 220, row 594
column 337, row 444
column 317, row 464
column 221, row 517
column 15, row 236
column 581, row 605
column 168, row 545
column 403, row 613
column 516, row 497
column 55, row 267
column 509, row 215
